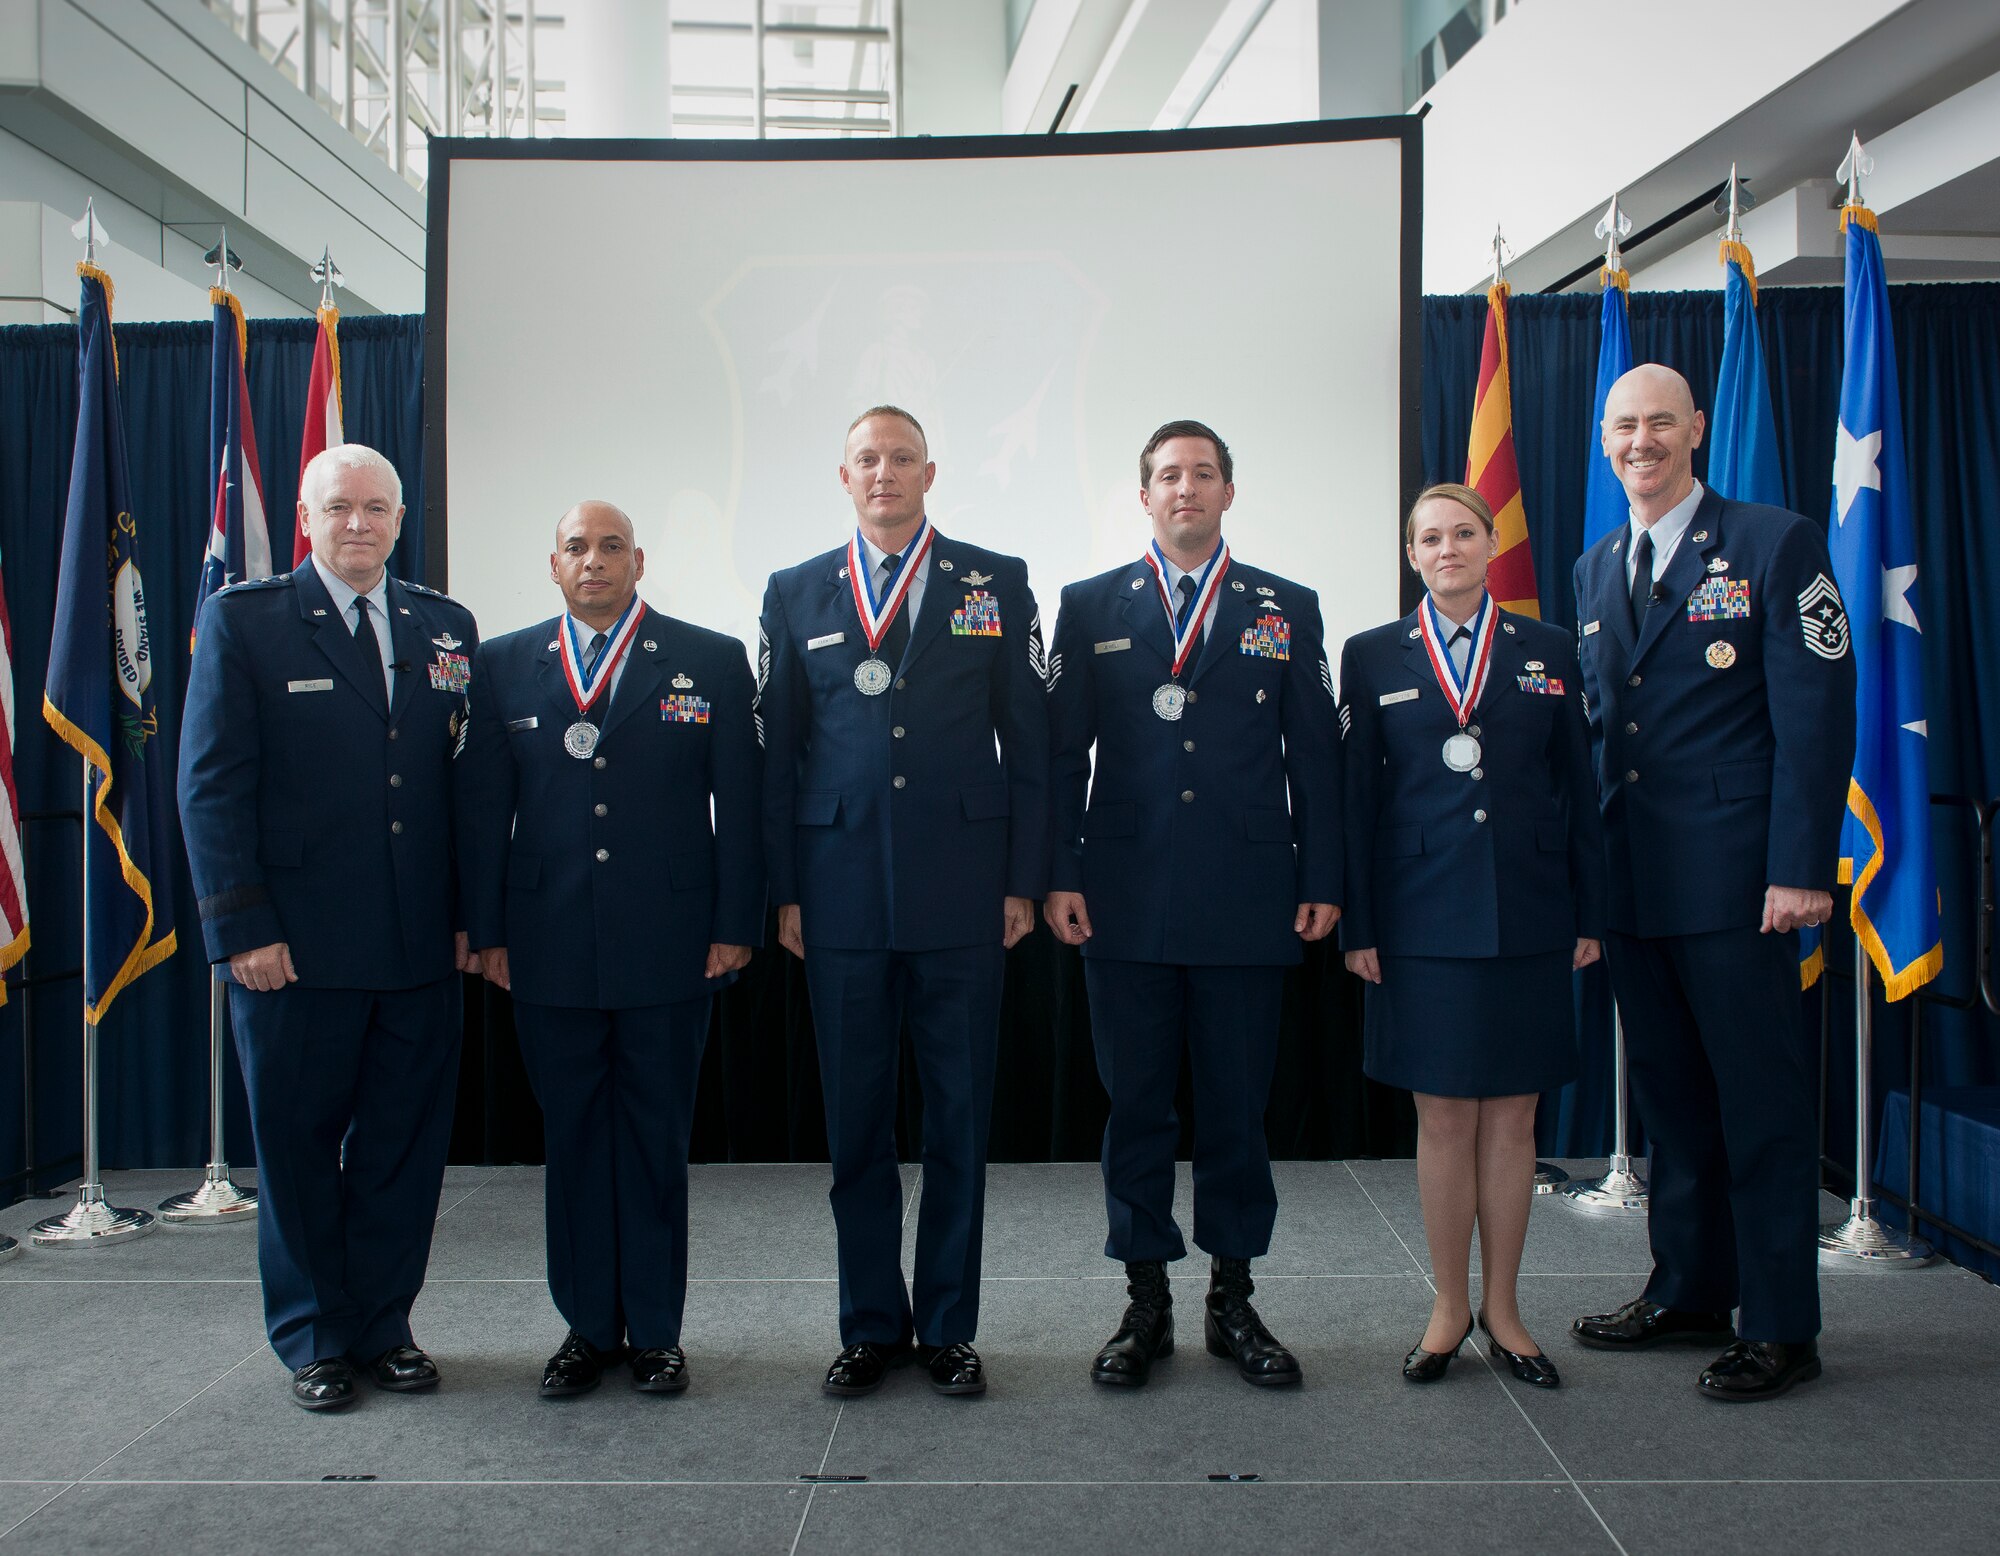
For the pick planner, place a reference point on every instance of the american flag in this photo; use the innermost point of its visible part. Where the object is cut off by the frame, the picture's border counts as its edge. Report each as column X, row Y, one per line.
column 239, row 535
column 13, row 878
column 322, row 409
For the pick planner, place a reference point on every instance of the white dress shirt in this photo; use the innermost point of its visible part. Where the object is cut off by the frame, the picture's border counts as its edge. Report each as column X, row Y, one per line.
column 874, row 555
column 1175, row 573
column 1667, row 529
column 378, row 615
column 584, row 633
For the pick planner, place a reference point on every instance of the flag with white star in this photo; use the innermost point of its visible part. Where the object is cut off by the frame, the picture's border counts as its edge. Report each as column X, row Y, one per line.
column 1886, row 840
column 239, row 535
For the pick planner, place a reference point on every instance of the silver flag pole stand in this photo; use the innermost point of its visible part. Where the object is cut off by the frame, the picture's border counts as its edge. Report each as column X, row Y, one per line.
column 1549, row 1177
column 1861, row 1238
column 8, row 1248
column 1621, row 1191
column 90, row 1222
column 218, row 1200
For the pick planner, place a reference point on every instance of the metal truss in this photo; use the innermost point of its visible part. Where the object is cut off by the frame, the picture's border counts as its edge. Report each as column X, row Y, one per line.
column 764, row 102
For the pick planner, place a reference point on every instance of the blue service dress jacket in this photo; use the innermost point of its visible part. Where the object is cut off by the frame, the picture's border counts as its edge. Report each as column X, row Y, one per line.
column 1504, row 860
column 303, row 823
column 901, row 821
column 1724, row 733
column 1202, row 834
column 607, row 877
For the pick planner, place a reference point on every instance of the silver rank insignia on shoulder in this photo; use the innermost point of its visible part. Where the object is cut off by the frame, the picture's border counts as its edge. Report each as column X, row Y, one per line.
column 1236, row 584
column 682, row 682
column 1137, row 583
column 447, row 642
column 1718, row 565
column 944, row 564
column 1533, row 665
column 1266, row 590
column 650, row 646
column 975, row 578
column 1698, row 536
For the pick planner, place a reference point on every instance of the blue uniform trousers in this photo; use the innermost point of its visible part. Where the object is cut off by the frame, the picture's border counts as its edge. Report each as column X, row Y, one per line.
column 1724, row 1075
column 351, row 1095
column 952, row 998
column 1142, row 1014
column 617, row 1091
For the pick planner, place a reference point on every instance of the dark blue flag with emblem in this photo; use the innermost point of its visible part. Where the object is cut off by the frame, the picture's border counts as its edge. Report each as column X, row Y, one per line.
column 1885, row 848
column 1605, row 505
column 239, row 535
column 100, row 689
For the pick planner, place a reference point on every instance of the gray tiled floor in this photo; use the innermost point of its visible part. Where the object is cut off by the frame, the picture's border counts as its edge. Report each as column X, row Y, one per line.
column 140, row 1408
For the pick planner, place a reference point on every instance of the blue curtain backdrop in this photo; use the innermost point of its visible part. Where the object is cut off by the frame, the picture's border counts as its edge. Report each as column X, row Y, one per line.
column 760, row 1093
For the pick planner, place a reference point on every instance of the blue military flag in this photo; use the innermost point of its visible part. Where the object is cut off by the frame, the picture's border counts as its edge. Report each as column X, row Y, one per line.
column 239, row 535
column 1743, row 452
column 1886, row 839
column 1605, row 507
column 100, row 688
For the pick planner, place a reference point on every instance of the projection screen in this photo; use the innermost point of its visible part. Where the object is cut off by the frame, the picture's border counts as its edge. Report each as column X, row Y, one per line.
column 685, row 328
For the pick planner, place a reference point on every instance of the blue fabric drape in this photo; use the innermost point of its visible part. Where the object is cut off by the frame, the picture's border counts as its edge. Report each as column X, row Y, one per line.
column 155, row 1040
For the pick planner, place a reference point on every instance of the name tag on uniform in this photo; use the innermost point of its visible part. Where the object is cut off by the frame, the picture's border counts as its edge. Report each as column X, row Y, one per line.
column 1113, row 645
column 828, row 641
column 532, row 721
column 1388, row 697
column 308, row 686
column 1590, row 627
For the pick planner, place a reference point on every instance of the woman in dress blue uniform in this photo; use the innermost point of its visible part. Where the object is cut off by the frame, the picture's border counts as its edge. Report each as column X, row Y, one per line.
column 1475, row 886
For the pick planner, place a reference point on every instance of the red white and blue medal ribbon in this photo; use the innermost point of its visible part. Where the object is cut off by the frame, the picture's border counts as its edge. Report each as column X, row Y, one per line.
column 580, row 739
column 1207, row 582
column 1461, row 692
column 876, row 615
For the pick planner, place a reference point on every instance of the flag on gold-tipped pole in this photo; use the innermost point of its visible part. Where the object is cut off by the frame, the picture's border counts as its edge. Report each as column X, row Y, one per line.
column 323, row 400
column 1490, row 469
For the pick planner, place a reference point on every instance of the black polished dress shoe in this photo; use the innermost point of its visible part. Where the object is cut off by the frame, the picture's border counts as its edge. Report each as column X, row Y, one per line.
column 576, row 1368
column 324, row 1385
column 1643, row 1322
column 403, row 1368
column 1536, row 1371
column 860, row 1368
column 661, row 1369
column 954, row 1369
column 1758, row 1369
column 1233, row 1330
column 1145, row 1333
column 1422, row 1366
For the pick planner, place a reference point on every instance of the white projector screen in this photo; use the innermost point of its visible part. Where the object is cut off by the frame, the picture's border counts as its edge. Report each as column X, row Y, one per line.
column 686, row 328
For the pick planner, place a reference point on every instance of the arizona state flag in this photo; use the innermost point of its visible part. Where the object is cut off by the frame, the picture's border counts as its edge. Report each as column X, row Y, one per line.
column 1490, row 469
column 323, row 428
column 100, row 689
column 239, row 537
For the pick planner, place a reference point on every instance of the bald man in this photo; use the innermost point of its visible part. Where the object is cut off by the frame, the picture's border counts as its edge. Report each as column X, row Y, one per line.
column 615, row 880
column 1720, row 691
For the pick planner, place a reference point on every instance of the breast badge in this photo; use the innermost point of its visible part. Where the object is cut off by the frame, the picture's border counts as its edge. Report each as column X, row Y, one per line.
column 1721, row 655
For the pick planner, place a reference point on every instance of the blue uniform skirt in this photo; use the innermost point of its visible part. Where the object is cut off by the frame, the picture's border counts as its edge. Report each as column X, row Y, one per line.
column 1491, row 1026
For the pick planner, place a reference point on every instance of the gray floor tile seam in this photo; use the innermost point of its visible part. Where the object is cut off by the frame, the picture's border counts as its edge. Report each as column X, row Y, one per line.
column 471, row 1189
column 812, row 1491
column 791, row 1483
column 130, row 1280
column 248, row 1356
column 1487, row 1361
column 54, row 1496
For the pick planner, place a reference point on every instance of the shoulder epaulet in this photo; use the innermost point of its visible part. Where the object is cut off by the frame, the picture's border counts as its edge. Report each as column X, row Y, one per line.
column 427, row 592
column 274, row 581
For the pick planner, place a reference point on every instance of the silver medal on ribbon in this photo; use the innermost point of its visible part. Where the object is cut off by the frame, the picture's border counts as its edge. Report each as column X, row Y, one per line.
column 1169, row 701
column 580, row 739
column 872, row 677
column 1461, row 753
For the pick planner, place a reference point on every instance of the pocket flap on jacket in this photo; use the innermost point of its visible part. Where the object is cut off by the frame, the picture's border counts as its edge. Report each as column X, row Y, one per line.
column 1742, row 780
column 985, row 801
column 1263, row 824
column 816, row 807
column 1398, row 842
column 1114, row 818
column 281, row 848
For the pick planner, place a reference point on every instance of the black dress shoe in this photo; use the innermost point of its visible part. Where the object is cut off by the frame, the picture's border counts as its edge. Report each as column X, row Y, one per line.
column 1536, row 1371
column 1145, row 1333
column 860, row 1368
column 662, row 1369
column 403, row 1368
column 1758, row 1369
column 576, row 1368
column 1643, row 1322
column 324, row 1385
column 954, row 1369
column 1233, row 1329
column 1422, row 1366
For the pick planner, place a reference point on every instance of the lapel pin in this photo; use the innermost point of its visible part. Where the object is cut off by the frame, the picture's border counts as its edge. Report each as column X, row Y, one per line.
column 944, row 564
column 318, row 612
column 1416, row 632
column 1699, row 536
column 1507, row 627
column 402, row 610
column 1236, row 584
column 554, row 645
column 843, row 572
column 1615, row 545
column 1137, row 583
column 1266, row 590
column 651, row 647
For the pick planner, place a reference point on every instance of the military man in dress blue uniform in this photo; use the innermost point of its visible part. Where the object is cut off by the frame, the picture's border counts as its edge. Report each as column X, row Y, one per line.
column 1720, row 690
column 906, row 832
column 318, row 796
column 1209, row 853
column 614, row 881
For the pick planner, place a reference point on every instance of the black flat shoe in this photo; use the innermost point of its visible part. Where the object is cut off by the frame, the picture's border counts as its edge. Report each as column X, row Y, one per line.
column 1535, row 1371
column 860, row 1368
column 403, row 1368
column 1422, row 1366
column 1642, row 1322
column 661, row 1369
column 1758, row 1369
column 576, row 1368
column 954, row 1369
column 1145, row 1334
column 1233, row 1330
column 324, row 1385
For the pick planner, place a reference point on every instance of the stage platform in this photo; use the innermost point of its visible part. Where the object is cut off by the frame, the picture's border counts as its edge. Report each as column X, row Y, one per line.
column 140, row 1409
